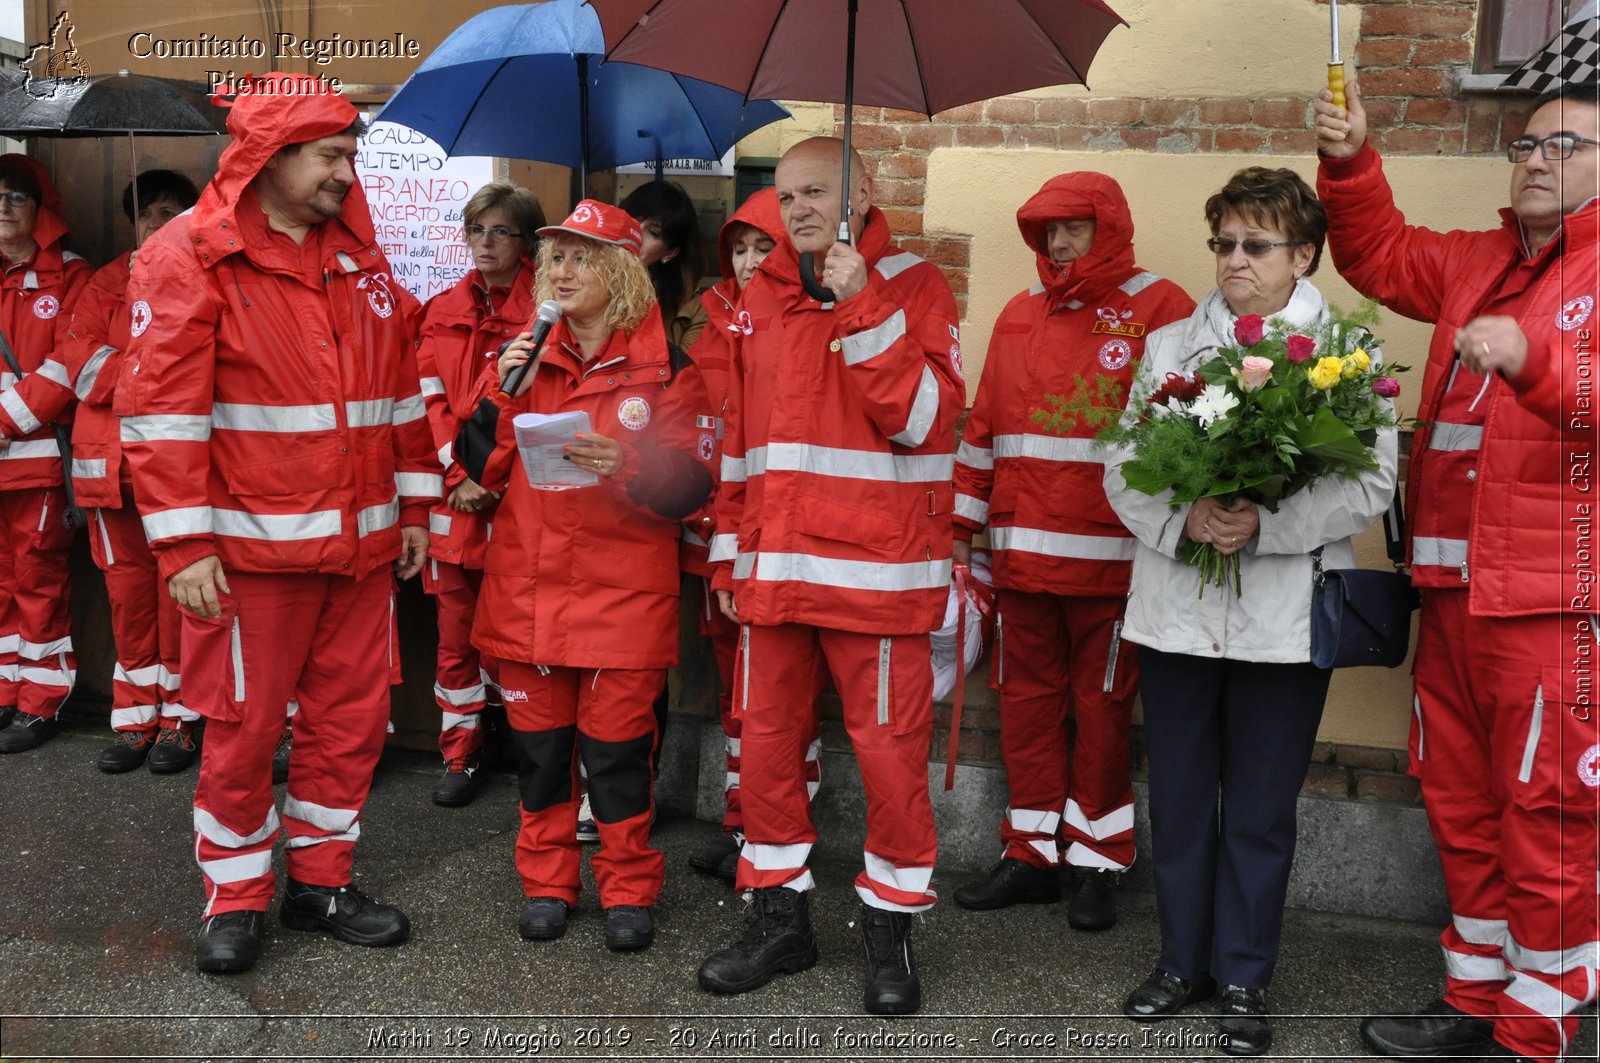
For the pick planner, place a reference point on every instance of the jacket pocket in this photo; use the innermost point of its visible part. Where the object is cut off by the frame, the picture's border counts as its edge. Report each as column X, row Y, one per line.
column 599, row 561
column 875, row 528
column 213, row 655
column 1558, row 759
column 304, row 474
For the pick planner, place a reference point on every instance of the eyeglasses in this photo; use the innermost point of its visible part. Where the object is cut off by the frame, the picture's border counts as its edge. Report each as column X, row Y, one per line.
column 498, row 232
column 1221, row 245
column 16, row 199
column 1557, row 148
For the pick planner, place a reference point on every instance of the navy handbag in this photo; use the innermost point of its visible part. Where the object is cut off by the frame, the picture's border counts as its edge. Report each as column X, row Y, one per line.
column 1362, row 616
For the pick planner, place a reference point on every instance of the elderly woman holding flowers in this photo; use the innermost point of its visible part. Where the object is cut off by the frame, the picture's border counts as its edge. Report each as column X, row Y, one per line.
column 1227, row 519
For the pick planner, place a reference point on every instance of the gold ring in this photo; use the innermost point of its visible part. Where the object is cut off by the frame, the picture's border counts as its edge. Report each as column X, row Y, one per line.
column 1485, row 346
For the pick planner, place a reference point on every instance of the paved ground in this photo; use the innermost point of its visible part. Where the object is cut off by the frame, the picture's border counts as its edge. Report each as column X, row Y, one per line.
column 101, row 895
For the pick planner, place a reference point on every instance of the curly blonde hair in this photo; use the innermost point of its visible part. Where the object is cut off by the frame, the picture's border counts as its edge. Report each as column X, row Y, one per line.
column 617, row 267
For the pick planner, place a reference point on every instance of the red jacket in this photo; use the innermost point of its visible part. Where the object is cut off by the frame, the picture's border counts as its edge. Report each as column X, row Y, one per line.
column 1039, row 492
column 96, row 339
column 36, row 302
column 462, row 332
column 588, row 577
column 835, row 501
column 1521, row 540
column 271, row 410
column 713, row 351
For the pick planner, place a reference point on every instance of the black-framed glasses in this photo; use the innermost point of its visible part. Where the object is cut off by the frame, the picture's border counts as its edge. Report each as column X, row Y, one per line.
column 494, row 232
column 16, row 199
column 1221, row 245
column 1556, row 148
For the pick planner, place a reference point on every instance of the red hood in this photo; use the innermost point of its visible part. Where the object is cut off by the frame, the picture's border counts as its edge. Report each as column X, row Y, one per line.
column 51, row 226
column 760, row 210
column 261, row 124
column 1081, row 194
column 784, row 262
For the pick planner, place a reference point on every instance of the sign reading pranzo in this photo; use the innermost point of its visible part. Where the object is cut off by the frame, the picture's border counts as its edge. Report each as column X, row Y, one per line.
column 416, row 194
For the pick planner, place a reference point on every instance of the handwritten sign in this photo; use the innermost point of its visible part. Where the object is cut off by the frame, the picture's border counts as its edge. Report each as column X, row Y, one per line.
column 416, row 194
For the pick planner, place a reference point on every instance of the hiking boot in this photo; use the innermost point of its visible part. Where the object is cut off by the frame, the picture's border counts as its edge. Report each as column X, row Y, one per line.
column 280, row 759
column 175, row 749
column 126, row 751
column 345, row 912
column 459, row 783
column 1245, row 1026
column 229, row 943
column 777, row 939
column 892, row 984
column 629, row 928
column 713, row 850
column 1009, row 882
column 587, row 831
column 1438, row 1029
column 27, row 731
column 543, row 919
column 1092, row 907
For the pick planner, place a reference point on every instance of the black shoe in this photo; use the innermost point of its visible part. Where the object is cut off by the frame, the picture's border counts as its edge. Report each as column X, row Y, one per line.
column 345, row 912
column 175, row 749
column 7, row 714
column 713, row 850
column 728, row 870
column 1092, row 906
column 892, row 984
column 1436, row 1030
column 229, row 943
column 1163, row 995
column 1500, row 1051
column 1245, row 1027
column 280, row 760
column 27, row 731
column 777, row 939
column 126, row 751
column 459, row 783
column 1009, row 882
column 543, row 919
column 629, row 928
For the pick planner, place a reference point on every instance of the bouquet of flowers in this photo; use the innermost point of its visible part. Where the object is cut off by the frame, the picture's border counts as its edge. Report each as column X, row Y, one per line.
column 1265, row 418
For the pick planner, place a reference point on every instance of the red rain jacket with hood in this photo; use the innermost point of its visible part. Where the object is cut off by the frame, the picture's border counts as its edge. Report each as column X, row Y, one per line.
column 712, row 353
column 1040, row 494
column 96, row 339
column 37, row 298
column 834, row 509
column 271, row 410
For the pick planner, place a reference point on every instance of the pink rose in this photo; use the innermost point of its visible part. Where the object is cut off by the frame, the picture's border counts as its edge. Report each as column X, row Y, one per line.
column 1253, row 372
column 1299, row 348
column 1387, row 386
column 1249, row 329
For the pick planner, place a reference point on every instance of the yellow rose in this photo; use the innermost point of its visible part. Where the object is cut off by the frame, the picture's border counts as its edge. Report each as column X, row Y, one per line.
column 1325, row 373
column 1356, row 363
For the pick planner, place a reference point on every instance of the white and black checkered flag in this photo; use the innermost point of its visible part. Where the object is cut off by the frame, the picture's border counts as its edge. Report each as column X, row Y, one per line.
column 1571, row 57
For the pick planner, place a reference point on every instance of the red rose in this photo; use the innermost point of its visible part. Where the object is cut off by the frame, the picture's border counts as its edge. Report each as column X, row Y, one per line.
column 1249, row 329
column 1300, row 348
column 1387, row 386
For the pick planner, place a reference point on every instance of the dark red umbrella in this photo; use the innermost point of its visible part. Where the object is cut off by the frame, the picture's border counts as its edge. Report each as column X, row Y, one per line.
column 918, row 55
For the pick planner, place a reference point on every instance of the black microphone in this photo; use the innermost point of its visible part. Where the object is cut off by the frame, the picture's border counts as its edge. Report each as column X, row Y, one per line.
column 543, row 321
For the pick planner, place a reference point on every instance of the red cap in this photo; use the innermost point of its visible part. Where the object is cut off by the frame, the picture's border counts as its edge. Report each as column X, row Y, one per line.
column 602, row 222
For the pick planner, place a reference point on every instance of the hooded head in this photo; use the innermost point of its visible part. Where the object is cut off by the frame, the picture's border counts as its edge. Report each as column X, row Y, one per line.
column 280, row 110
column 759, row 212
column 1081, row 195
column 50, row 228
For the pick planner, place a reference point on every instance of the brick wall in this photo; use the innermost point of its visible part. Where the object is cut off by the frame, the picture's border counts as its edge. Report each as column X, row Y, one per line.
column 1411, row 58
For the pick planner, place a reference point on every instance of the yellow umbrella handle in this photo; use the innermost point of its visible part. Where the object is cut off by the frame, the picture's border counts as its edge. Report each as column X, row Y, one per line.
column 1336, row 83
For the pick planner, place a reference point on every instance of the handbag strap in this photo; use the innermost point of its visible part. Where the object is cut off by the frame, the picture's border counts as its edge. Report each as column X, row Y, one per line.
column 1394, row 539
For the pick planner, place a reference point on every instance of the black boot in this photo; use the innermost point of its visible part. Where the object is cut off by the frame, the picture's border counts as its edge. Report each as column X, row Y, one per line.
column 459, row 783
column 1436, row 1030
column 777, row 938
column 892, row 984
column 345, row 912
column 1009, row 882
column 174, row 750
column 229, row 943
column 27, row 731
column 126, row 751
column 713, row 849
column 1092, row 906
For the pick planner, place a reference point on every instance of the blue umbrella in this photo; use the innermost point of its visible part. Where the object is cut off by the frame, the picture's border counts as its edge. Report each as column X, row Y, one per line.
column 528, row 82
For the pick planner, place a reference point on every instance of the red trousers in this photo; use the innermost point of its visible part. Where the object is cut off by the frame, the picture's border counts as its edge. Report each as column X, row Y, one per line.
column 463, row 678
column 1067, row 684
column 1506, row 743
column 325, row 639
column 724, row 635
column 37, row 665
column 886, row 686
column 144, row 622
column 605, row 717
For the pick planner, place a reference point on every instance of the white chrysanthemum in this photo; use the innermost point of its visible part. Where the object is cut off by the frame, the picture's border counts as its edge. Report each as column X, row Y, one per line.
column 1216, row 401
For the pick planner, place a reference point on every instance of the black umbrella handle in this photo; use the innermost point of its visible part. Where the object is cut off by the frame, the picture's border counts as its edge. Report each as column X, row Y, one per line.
column 808, row 280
